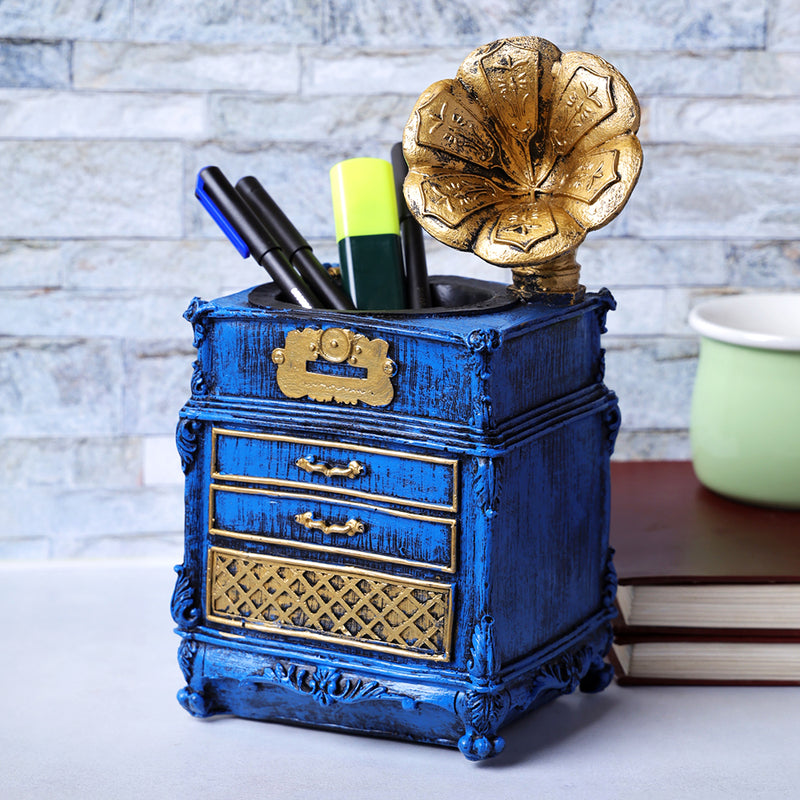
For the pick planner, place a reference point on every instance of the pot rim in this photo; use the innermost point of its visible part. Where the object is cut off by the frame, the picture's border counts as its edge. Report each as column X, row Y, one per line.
column 770, row 321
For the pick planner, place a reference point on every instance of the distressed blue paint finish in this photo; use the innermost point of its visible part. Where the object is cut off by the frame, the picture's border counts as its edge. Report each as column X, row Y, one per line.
column 508, row 520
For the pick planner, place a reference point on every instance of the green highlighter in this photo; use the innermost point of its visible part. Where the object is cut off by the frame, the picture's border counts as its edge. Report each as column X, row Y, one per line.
column 368, row 233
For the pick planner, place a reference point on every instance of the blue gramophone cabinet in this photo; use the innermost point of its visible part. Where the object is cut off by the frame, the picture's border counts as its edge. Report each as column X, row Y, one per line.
column 396, row 523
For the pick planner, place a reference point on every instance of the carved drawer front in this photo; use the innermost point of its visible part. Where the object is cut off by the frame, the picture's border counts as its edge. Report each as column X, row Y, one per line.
column 377, row 475
column 320, row 523
column 356, row 607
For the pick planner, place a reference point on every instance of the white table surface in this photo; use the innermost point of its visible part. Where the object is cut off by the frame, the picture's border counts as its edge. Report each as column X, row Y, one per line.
column 89, row 675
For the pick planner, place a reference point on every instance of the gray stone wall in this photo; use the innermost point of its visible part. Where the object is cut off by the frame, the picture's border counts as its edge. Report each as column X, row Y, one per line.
column 109, row 107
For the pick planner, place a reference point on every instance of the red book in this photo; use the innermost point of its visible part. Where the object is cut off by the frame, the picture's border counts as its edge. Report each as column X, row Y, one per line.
column 709, row 589
column 688, row 559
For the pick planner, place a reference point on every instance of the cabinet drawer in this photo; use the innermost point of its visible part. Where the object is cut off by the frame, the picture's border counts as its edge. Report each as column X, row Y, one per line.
column 385, row 476
column 345, row 605
column 327, row 524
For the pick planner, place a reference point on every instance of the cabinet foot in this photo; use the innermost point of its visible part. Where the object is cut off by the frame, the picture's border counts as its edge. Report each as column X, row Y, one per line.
column 597, row 678
column 476, row 747
column 194, row 702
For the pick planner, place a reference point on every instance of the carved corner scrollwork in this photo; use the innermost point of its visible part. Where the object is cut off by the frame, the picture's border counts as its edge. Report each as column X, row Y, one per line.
column 195, row 314
column 187, row 650
column 564, row 674
column 185, row 610
column 483, row 707
column 481, row 343
column 584, row 668
column 484, row 340
column 610, row 584
column 612, row 420
column 198, row 383
column 187, row 436
column 195, row 702
column 599, row 674
column 607, row 303
column 484, row 665
column 600, row 374
column 487, row 481
column 328, row 686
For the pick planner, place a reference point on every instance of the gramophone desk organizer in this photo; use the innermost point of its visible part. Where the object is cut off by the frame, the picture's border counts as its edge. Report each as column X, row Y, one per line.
column 397, row 522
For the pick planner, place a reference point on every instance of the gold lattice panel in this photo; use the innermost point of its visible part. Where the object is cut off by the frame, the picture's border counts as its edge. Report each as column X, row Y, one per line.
column 298, row 598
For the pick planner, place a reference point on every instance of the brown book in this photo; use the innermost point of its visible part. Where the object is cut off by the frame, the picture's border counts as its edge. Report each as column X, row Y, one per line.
column 690, row 561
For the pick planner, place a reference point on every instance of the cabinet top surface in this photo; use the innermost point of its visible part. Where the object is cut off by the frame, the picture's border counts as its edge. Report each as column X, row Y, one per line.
column 447, row 323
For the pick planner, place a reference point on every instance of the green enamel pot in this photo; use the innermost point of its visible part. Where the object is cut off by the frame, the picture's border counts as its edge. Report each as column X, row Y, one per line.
column 745, row 420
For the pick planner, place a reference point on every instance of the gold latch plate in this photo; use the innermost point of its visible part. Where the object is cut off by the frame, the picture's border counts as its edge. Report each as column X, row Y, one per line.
column 335, row 346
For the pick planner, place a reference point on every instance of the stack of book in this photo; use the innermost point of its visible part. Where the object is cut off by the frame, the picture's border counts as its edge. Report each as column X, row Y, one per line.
column 709, row 589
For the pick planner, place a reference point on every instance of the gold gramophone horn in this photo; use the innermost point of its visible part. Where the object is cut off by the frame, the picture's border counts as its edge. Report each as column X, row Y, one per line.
column 522, row 154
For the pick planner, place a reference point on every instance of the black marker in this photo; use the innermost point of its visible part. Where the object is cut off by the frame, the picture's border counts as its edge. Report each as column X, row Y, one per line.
column 417, row 289
column 293, row 244
column 242, row 227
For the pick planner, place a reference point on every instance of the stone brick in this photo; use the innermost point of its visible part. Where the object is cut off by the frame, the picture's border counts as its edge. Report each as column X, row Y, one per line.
column 28, row 264
column 680, row 302
column 165, row 547
column 310, row 119
column 135, row 315
column 60, row 388
column 702, row 191
column 618, row 262
column 296, row 175
column 738, row 121
column 25, row 548
column 162, row 464
column 34, row 65
column 413, row 23
column 182, row 268
column 158, row 375
column 72, row 19
column 102, row 463
column 771, row 74
column 678, row 25
column 66, row 515
column 764, row 264
column 98, row 115
column 784, row 28
column 694, row 74
column 184, row 66
column 614, row 262
column 228, row 21
column 336, row 72
column 639, row 312
column 653, row 380
column 69, row 189
column 444, row 260
column 71, row 462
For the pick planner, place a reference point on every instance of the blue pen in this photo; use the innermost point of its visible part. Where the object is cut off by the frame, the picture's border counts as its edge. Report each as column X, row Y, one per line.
column 237, row 221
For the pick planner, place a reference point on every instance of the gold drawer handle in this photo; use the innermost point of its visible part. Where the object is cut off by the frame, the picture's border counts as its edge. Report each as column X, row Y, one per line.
column 349, row 528
column 352, row 470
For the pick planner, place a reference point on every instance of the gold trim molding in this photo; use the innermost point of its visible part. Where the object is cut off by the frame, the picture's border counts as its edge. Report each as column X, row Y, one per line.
column 450, row 525
column 450, row 463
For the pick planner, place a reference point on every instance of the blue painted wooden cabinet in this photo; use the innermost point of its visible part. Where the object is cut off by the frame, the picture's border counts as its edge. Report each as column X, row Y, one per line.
column 396, row 524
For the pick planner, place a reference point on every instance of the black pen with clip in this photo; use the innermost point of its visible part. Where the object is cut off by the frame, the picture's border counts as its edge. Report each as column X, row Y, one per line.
column 293, row 244
column 237, row 220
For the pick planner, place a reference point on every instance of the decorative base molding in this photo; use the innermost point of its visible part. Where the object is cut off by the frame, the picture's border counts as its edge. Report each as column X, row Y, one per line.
column 466, row 712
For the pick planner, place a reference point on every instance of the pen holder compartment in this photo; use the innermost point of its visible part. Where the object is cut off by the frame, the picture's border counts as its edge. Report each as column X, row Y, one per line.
column 450, row 295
